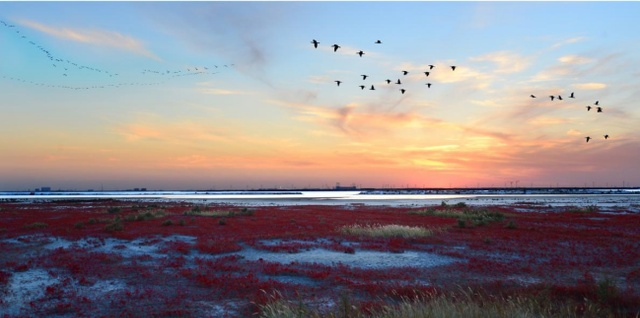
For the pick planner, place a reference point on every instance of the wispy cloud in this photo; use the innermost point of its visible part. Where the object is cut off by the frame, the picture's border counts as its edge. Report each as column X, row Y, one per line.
column 590, row 86
column 508, row 62
column 217, row 91
column 575, row 59
column 94, row 37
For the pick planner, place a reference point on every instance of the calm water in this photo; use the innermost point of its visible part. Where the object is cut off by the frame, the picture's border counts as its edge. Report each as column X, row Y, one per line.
column 341, row 197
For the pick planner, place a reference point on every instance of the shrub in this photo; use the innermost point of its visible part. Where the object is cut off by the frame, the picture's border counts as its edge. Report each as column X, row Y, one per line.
column 462, row 224
column 36, row 225
column 79, row 225
column 460, row 205
column 488, row 240
column 113, row 210
column 92, row 221
column 167, row 223
column 511, row 225
column 182, row 223
column 114, row 227
column 222, row 221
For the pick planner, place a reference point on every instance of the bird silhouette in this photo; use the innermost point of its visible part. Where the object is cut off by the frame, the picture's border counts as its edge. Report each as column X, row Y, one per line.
column 315, row 43
column 402, row 90
column 335, row 47
column 405, row 72
column 587, row 138
column 571, row 95
column 388, row 81
column 431, row 66
column 398, row 82
column 428, row 85
column 606, row 137
column 372, row 88
column 597, row 102
column 361, row 87
column 338, row 82
column 453, row 67
column 364, row 77
column 426, row 73
column 588, row 108
column 378, row 42
column 360, row 53
column 533, row 96
column 552, row 97
column 599, row 109
column 559, row 97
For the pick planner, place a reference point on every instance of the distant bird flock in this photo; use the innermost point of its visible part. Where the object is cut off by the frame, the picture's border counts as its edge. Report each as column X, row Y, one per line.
column 427, row 73
column 66, row 69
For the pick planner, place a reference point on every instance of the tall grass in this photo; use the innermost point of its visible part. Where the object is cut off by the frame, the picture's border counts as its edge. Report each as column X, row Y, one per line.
column 461, row 305
column 391, row 230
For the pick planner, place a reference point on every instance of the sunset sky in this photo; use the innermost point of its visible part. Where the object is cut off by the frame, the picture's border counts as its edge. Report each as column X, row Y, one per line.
column 276, row 118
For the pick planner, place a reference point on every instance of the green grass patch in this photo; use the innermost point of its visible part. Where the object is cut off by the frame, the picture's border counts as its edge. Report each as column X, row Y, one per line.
column 198, row 211
column 36, row 225
column 472, row 217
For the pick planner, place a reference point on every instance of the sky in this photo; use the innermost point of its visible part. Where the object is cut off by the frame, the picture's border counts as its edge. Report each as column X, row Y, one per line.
column 110, row 110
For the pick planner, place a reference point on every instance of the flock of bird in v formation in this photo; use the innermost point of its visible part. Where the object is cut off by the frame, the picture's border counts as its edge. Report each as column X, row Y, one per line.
column 66, row 68
column 427, row 73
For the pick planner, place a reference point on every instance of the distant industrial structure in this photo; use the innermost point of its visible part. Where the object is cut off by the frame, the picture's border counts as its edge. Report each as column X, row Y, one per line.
column 45, row 189
column 351, row 187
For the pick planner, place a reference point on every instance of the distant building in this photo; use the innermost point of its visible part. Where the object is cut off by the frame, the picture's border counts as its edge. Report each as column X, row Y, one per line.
column 143, row 189
column 136, row 189
column 339, row 187
column 45, row 189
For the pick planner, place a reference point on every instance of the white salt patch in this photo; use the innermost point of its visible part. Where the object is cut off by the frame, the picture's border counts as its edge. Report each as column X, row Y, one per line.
column 361, row 259
column 24, row 287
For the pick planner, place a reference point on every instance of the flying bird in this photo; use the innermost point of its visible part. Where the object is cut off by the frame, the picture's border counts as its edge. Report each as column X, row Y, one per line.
column 588, row 108
column 587, row 138
column 403, row 90
column 571, row 95
column 431, row 67
column 388, row 81
column 552, row 97
column 338, row 82
column 398, row 82
column 426, row 73
column 428, row 85
column 453, row 67
column 606, row 137
column 361, row 87
column 597, row 102
column 364, row 77
column 533, row 96
column 335, row 47
column 315, row 43
column 372, row 88
column 559, row 97
column 405, row 72
column 360, row 53
column 599, row 109
column 378, row 42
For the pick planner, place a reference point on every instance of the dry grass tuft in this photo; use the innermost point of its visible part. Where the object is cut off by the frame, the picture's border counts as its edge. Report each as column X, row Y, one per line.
column 391, row 230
